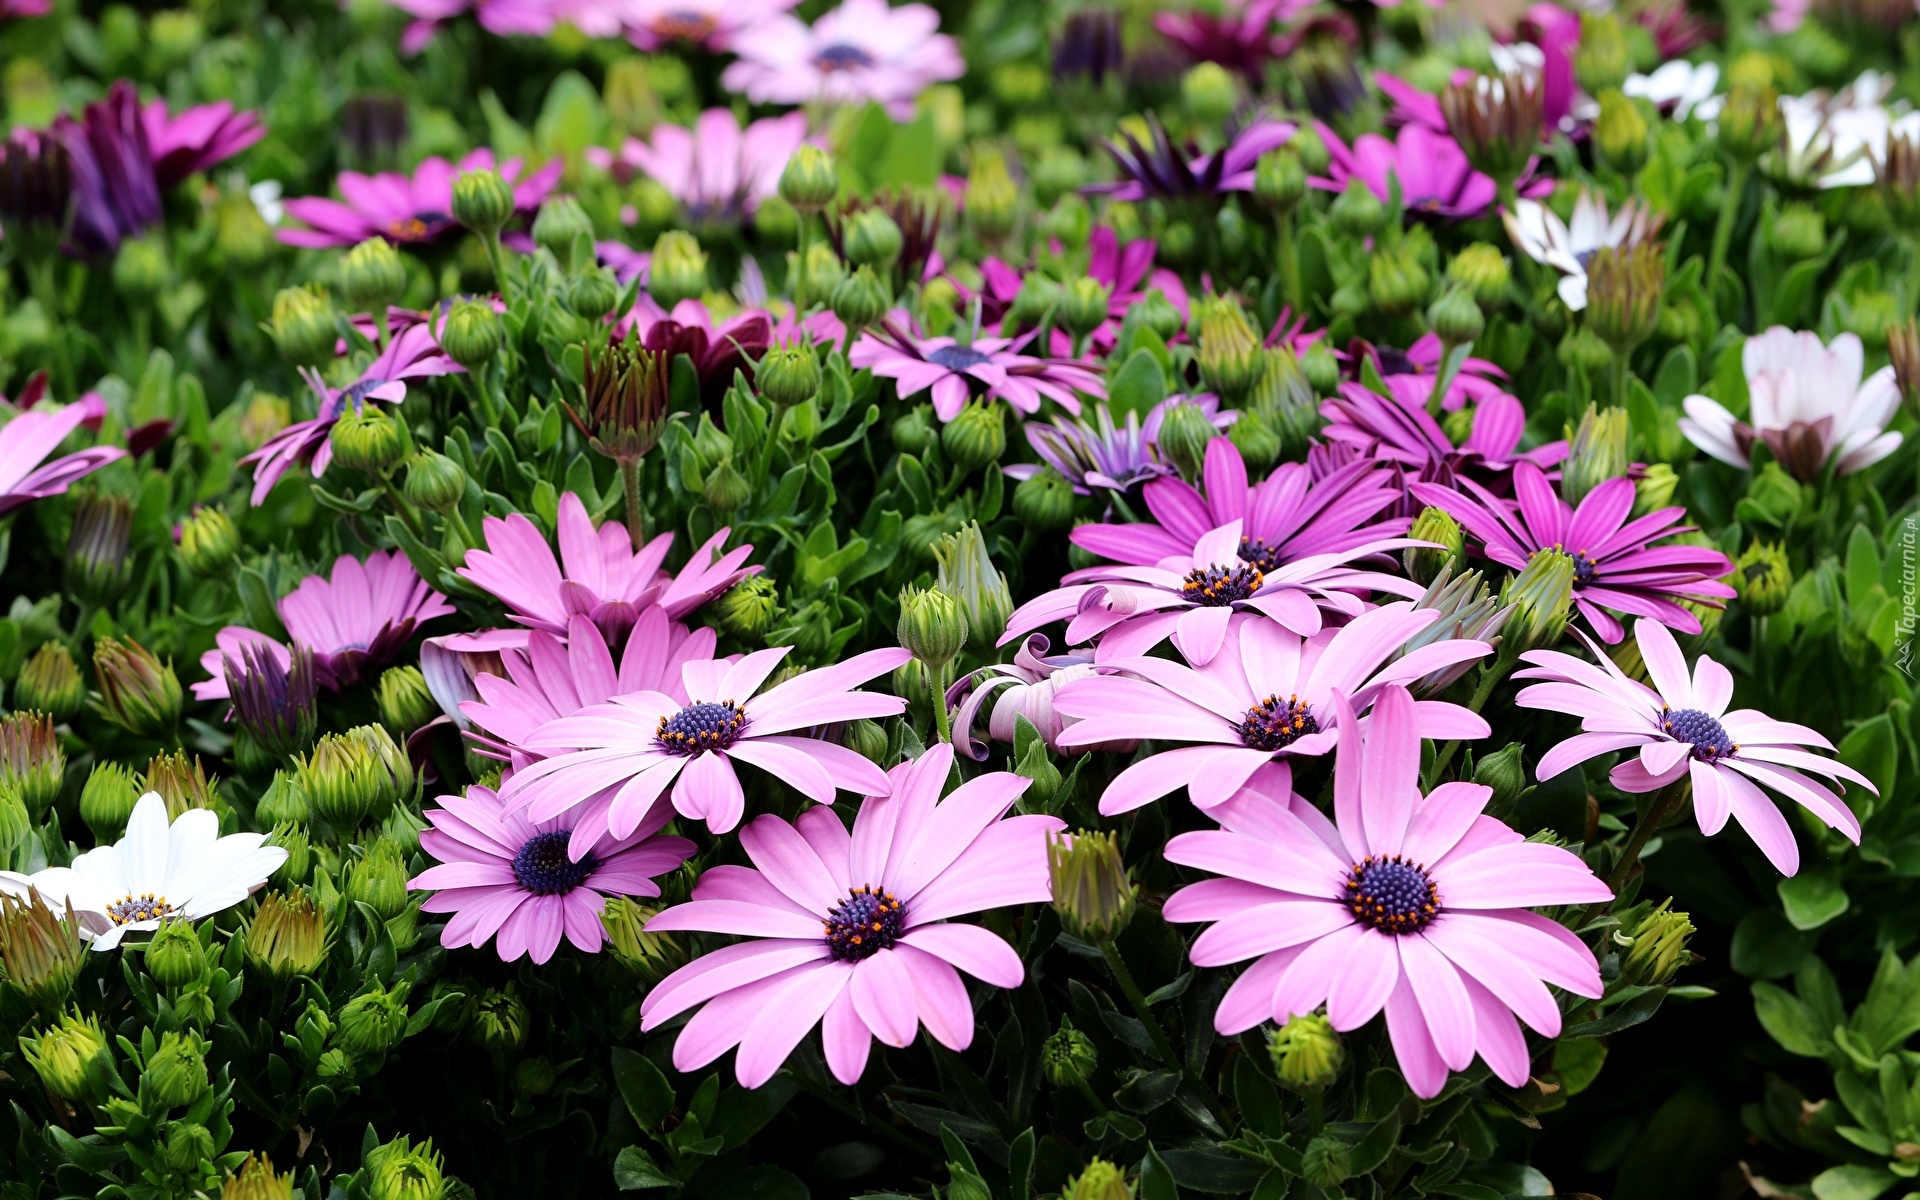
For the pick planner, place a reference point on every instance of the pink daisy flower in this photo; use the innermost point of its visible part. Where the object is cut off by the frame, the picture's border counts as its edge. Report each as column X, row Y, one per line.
column 1681, row 726
column 598, row 574
column 1616, row 566
column 715, row 170
column 1408, row 904
column 852, row 932
column 987, row 367
column 864, row 50
column 642, row 742
column 1126, row 271
column 1432, row 170
column 196, row 138
column 1023, row 688
column 29, row 436
column 715, row 348
column 655, row 25
column 1269, row 693
column 506, row 878
column 406, row 209
column 353, row 621
column 1398, row 429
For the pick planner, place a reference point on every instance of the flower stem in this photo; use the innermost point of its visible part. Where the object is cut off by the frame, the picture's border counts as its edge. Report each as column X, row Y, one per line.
column 1620, row 373
column 1723, row 228
column 800, row 268
column 1093, row 1098
column 636, row 519
column 1490, row 678
column 497, row 257
column 1162, row 1046
column 1290, row 264
column 1663, row 806
column 937, row 694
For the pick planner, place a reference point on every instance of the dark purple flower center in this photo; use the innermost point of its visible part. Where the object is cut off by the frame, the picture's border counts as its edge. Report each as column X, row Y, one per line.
column 1217, row 586
column 957, row 358
column 702, row 726
column 841, row 57
column 1256, row 553
column 145, row 907
column 543, row 867
column 1707, row 736
column 865, row 923
column 1583, row 569
column 1274, row 724
column 1391, row 894
column 685, row 25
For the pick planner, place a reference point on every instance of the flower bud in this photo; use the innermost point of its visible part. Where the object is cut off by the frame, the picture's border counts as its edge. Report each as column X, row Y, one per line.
column 992, row 201
column 256, row 1181
column 1497, row 119
column 871, row 238
column 810, row 180
column 1653, row 490
column 435, row 482
column 1038, row 293
column 788, row 375
column 403, row 699
column 287, row 937
column 1100, row 1181
column 867, row 738
column 1229, row 353
column 1763, row 579
column 372, row 1022
column 1253, row 435
column 913, row 431
column 41, row 952
column 138, row 692
column 1597, row 452
column 179, row 779
column 1798, row 232
column 265, row 415
column 1357, row 212
column 1325, row 1162
column 107, row 800
column 1582, row 350
column 1620, row 134
column 1209, row 94
column 1541, row 597
column 1750, row 122
column 1656, row 947
column 1456, row 317
column 1280, row 180
column 1602, row 62
column 1044, row 501
column 241, row 236
column 32, row 765
column 1084, row 306
column 860, row 299
column 140, row 269
column 749, row 608
column 299, row 848
column 592, row 292
column 1185, row 432
column 175, row 1074
column 353, row 779
column 208, row 542
column 1091, row 891
column 399, row 1171
column 1423, row 563
column 50, row 683
column 482, row 201
column 372, row 276
column 282, row 803
column 274, row 705
column 626, row 388
column 651, row 957
column 966, row 572
column 1069, row 221
column 97, row 567
column 472, row 333
column 1482, row 270
column 1504, row 773
column 561, row 226
column 1903, row 348
column 379, row 880
column 534, row 1076
column 933, row 625
column 1397, row 282
column 1059, row 172
column 1306, row 1052
column 368, row 440
column 1624, row 288
column 499, row 1020
column 175, row 957
column 1068, row 1056
column 72, row 1058
column 776, row 221
column 976, row 436
column 822, row 270
column 1321, row 369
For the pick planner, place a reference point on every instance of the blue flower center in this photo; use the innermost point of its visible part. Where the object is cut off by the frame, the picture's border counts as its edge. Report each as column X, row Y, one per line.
column 1274, row 724
column 1583, row 569
column 1707, row 736
column 1257, row 553
column 1391, row 894
column 1217, row 586
column 543, row 868
column 841, row 57
column 957, row 358
column 864, row 924
column 702, row 726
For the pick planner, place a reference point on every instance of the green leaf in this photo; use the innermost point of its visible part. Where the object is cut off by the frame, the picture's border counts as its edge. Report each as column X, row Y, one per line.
column 1209, row 1171
column 1767, row 946
column 762, row 1183
column 571, row 117
column 1156, row 1181
column 912, row 157
column 1852, row 1183
column 635, row 1169
column 644, row 1087
column 1626, row 1016
column 1138, row 386
column 1873, row 749
column 1020, row 1166
column 1813, row 898
column 1677, row 377
column 1579, row 1063
column 742, row 1112
column 1372, row 1150
column 1789, row 1021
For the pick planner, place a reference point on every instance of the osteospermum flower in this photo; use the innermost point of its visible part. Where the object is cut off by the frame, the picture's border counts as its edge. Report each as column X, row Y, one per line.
column 1832, row 138
column 354, row 620
column 1408, row 904
column 716, row 170
column 598, row 575
column 1807, row 402
column 1410, row 374
column 1541, row 235
column 1680, row 726
column 644, row 742
column 190, row 141
column 852, row 932
column 1022, row 689
column 716, row 349
column 159, row 870
column 655, row 25
column 1160, row 170
column 864, row 50
column 30, row 436
column 512, row 880
column 115, row 194
column 986, row 367
column 1269, row 693
column 1398, row 429
column 406, row 209
column 1680, row 88
column 1433, row 172
column 1105, row 456
column 1616, row 566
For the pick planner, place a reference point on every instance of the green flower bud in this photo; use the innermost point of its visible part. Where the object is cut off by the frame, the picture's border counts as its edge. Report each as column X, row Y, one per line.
column 749, row 608
column 368, row 440
column 1037, row 294
column 592, row 292
column 1750, row 121
column 1624, row 287
column 1306, row 1053
column 41, row 952
column 726, row 488
column 1321, row 368
column 472, row 333
column 1084, row 305
column 534, row 1076
column 138, row 692
column 1484, row 272
column 823, row 270
column 379, row 880
column 867, row 738
column 482, row 201
column 1582, row 350
column 810, row 180
column 1424, row 564
column 1185, row 432
column 354, row 779
column 966, row 572
column 871, row 238
column 788, row 375
column 1154, row 311
column 991, row 201
column 1620, row 134
column 1777, row 494
column 1229, row 353
column 933, row 625
column 187, row 1147
column 860, row 299
column 1044, row 501
column 913, row 431
column 1091, row 890
column 1280, row 180
column 1797, row 233
column 1763, row 579
column 399, row 1171
column 140, row 268
column 372, row 276
column 1059, row 172
column 1397, row 282
column 175, row 1073
column 299, row 847
column 1504, row 773
column 241, row 236
column 1456, row 317
column 1603, row 61
column 97, row 567
column 256, row 1181
column 1655, row 947
column 1100, row 1181
column 976, row 436
column 650, row 956
column 561, row 227
column 1326, row 1162
column 776, row 221
column 1597, row 452
column 72, row 1058
column 679, row 268
column 208, row 542
column 175, row 957
column 1357, row 212
column 435, row 482
column 32, row 764
column 180, row 779
column 1209, row 93
column 283, row 803
column 800, row 424
column 1870, row 315
column 372, row 1022
column 1653, row 490
column 107, row 800
column 1541, row 597
column 405, row 703
column 50, row 682
column 499, row 1020
column 287, row 937
column 1258, row 442
column 1068, row 1056
column 265, row 415
column 1070, row 220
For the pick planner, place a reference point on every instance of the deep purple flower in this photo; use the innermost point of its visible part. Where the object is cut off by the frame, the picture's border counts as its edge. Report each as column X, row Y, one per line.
column 1616, row 565
column 273, row 700
column 196, row 138
column 115, row 193
column 715, row 348
column 1103, row 455
column 1240, row 38
column 28, row 437
column 36, row 182
column 987, row 368
column 1433, row 172
column 1398, row 429
column 406, row 209
column 1164, row 171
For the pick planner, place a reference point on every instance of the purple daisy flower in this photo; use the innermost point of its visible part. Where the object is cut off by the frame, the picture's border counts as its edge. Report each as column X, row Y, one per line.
column 656, row 25
column 1268, row 694
column 1681, row 726
column 406, row 209
column 506, row 878
column 717, row 171
column 1432, row 170
column 1616, row 566
column 1398, row 429
column 643, row 742
column 28, row 437
column 1023, row 688
column 115, row 193
column 987, row 367
column 194, row 139
column 1408, row 904
column 1164, row 171
column 865, row 50
column 852, row 932
column 1104, row 455
column 716, row 349
column 1240, row 37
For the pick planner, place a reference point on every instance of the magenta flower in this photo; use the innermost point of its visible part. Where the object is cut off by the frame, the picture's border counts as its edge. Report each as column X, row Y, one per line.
column 402, row 209
column 1240, row 38
column 1616, row 566
column 1164, row 171
column 1411, row 373
column 1024, row 688
column 643, row 742
column 203, row 136
column 28, row 437
column 987, row 368
column 411, row 354
column 598, row 575
column 1432, row 170
column 505, row 877
column 1268, row 694
column 865, row 50
column 715, row 170
column 1398, row 429
column 354, row 621
column 853, row 932
column 115, row 193
column 716, row 349
column 655, row 25
column 507, row 18
column 1681, row 726
column 1408, row 904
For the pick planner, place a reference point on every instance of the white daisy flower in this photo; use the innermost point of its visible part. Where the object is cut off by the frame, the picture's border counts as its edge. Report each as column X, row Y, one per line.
column 1539, row 233
column 1832, row 140
column 158, row 871
column 1684, row 88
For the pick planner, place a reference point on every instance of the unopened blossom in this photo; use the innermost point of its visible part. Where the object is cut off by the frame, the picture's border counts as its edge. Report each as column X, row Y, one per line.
column 1021, row 690
column 1539, row 233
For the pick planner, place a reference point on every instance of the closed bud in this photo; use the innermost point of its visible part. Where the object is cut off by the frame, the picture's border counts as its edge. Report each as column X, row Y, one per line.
column 138, row 692
column 870, row 238
column 726, row 488
column 933, row 625
column 1069, row 221
column 72, row 1058
column 1229, row 353
column 276, row 705
column 1602, row 61
column 1504, row 773
column 50, row 682
column 1044, row 501
column 966, row 572
column 372, row 1022
column 282, row 803
column 1059, row 173
column 867, row 738
column 287, row 937
column 179, row 779
column 32, row 764
column 1068, row 1056
column 175, row 1074
column 1483, row 271
column 175, row 957
column 208, row 542
column 1620, row 133
column 1798, row 232
column 650, row 956
column 299, row 847
column 860, row 299
column 1653, row 490
column 592, row 293
column 748, row 609
column 140, row 269
column 107, row 800
column 372, row 276
column 241, row 236
column 788, row 375
column 976, row 436
column 534, row 1076
column 810, row 180
column 1541, row 597
column 264, row 416
column 1597, row 452
column 1209, row 93
column 1280, row 180
column 626, row 389
column 1084, row 305
column 822, row 270
column 1582, row 350
column 482, row 201
column 992, row 201
column 963, row 1184
column 1306, row 1052
column 256, row 1181
column 1258, row 442
column 472, row 333
column 1325, row 1162
column 1624, row 289
column 401, row 1171
column 405, row 703
column 435, row 482
column 379, row 880
column 1397, row 281
column 97, row 567
column 1424, row 563
column 41, row 952
column 1091, row 890
column 1321, row 369
column 368, row 440
column 1037, row 294
column 913, row 431
column 1903, row 349
column 1750, row 121
column 1655, row 948
column 561, row 226
column 1185, row 432
column 1100, row 1181
column 499, row 1020
column 354, row 779
column 1497, row 120
column 1456, row 317
column 776, row 220
column 1763, row 579
column 1357, row 212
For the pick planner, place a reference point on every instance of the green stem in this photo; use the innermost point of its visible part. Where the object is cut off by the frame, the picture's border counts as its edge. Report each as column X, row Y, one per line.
column 1290, row 265
column 937, row 694
column 497, row 256
column 1620, row 372
column 1162, row 1045
column 800, row 268
column 1723, row 228
column 1663, row 806
column 1490, row 678
column 636, row 519
column 1093, row 1098
column 1316, row 1113
column 46, row 289
column 408, row 514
